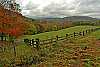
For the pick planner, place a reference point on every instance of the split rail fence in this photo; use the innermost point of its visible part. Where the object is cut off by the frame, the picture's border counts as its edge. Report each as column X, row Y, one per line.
column 36, row 42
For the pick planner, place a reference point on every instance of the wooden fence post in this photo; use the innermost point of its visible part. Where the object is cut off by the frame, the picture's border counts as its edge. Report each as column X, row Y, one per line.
column 37, row 43
column 5, row 38
column 30, row 43
column 2, row 36
column 14, row 47
column 57, row 37
column 26, row 40
column 75, row 35
column 66, row 36
column 80, row 33
column 83, row 33
column 86, row 31
column 71, row 35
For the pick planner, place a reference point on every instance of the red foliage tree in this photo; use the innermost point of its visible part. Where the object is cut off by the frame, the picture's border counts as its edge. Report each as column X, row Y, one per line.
column 11, row 23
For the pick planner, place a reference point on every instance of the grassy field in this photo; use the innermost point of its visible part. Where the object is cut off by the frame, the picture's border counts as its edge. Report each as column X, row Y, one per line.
column 43, row 36
column 84, row 52
column 96, row 34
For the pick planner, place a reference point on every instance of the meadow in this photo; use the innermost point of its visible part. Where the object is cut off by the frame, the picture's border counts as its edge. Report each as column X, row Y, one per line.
column 82, row 52
column 63, row 32
column 96, row 34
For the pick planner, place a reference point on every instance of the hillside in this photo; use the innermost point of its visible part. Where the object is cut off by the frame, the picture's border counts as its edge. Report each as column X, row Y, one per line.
column 78, row 52
column 52, row 34
column 11, row 22
column 5, row 13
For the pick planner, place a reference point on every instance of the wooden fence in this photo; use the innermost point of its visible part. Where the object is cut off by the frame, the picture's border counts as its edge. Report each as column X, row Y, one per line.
column 36, row 42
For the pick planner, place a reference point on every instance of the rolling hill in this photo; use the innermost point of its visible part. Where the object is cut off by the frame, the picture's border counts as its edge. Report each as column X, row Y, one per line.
column 70, row 18
column 80, row 18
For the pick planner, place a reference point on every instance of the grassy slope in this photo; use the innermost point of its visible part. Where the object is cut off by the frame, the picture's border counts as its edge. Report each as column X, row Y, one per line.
column 96, row 34
column 22, row 47
column 63, row 32
column 59, row 54
column 24, row 50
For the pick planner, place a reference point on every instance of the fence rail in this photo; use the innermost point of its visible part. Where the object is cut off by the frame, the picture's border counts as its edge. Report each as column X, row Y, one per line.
column 38, row 42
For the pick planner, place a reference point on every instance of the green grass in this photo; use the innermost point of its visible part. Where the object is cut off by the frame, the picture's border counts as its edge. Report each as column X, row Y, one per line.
column 46, row 35
column 49, row 53
column 23, row 50
column 1, row 65
column 96, row 34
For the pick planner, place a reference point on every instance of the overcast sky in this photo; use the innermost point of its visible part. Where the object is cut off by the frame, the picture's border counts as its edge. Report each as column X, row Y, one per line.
column 60, row 8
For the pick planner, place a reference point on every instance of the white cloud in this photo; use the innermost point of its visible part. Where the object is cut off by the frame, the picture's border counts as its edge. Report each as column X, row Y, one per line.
column 60, row 7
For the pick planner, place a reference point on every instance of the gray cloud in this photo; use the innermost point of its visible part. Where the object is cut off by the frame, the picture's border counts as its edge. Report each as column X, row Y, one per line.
column 77, row 7
column 89, row 8
column 30, row 6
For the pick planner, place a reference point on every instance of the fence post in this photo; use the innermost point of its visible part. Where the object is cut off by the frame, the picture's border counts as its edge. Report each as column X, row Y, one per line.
column 80, row 33
column 5, row 38
column 57, row 37
column 29, row 42
column 14, row 47
column 86, row 31
column 83, row 33
column 2, row 36
column 74, row 34
column 37, row 43
column 32, row 42
column 66, row 36
column 26, row 40
column 71, row 35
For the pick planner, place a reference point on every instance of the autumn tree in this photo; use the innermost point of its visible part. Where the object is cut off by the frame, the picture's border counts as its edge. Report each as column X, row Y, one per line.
column 31, row 29
column 66, row 24
column 11, row 23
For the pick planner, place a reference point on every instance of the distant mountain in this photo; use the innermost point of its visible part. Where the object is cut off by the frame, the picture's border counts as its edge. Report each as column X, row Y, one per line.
column 53, row 19
column 80, row 18
column 70, row 18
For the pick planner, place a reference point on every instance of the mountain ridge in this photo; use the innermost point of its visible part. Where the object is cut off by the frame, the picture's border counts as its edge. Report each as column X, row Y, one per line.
column 70, row 18
column 80, row 18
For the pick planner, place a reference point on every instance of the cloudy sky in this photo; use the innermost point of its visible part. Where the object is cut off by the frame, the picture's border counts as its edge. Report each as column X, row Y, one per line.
column 60, row 8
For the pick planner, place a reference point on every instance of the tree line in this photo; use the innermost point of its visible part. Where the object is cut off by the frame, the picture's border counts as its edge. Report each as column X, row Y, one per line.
column 45, row 26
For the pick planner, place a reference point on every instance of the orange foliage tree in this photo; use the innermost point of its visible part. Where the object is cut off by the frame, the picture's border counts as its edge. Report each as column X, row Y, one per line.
column 11, row 23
